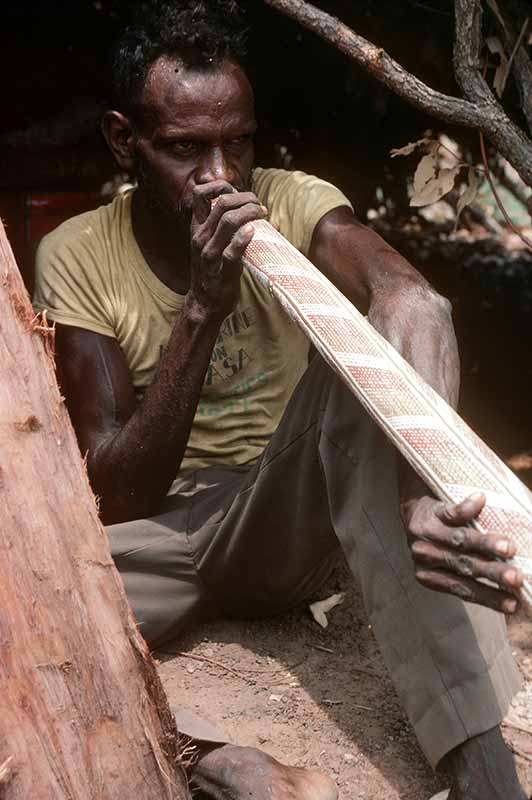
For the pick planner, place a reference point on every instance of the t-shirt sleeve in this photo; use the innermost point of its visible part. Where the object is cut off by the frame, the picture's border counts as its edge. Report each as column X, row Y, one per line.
column 296, row 202
column 70, row 279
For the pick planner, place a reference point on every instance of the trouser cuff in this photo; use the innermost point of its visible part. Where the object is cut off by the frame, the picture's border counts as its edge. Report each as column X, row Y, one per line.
column 469, row 709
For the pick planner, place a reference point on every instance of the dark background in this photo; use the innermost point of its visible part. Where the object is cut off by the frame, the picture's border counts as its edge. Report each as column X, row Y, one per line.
column 333, row 119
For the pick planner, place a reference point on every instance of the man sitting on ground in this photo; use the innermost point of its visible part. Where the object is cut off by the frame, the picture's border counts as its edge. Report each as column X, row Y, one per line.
column 229, row 471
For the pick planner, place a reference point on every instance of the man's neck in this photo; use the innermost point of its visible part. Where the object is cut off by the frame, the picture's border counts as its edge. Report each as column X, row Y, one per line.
column 165, row 246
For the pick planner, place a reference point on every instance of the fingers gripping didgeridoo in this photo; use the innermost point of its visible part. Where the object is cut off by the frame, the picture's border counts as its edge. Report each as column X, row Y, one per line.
column 438, row 444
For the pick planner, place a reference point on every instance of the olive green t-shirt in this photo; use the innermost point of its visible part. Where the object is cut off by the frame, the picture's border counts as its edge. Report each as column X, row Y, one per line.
column 90, row 273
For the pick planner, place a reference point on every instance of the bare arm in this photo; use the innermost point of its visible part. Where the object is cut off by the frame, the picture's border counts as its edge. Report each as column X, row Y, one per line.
column 449, row 555
column 134, row 452
column 399, row 302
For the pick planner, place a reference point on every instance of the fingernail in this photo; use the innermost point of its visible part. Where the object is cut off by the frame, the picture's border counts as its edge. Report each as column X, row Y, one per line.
column 509, row 606
column 476, row 496
column 263, row 208
column 503, row 547
column 248, row 230
column 510, row 576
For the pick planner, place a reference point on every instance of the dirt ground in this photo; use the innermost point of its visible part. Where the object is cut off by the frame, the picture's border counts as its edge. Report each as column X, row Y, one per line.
column 321, row 698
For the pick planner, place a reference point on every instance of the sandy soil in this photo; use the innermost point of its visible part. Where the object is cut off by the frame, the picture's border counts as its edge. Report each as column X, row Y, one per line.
column 320, row 698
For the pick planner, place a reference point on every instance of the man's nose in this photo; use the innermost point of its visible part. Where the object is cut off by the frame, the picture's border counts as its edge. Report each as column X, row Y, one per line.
column 215, row 167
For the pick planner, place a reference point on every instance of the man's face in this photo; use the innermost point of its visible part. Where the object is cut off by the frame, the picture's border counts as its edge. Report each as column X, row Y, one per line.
column 195, row 126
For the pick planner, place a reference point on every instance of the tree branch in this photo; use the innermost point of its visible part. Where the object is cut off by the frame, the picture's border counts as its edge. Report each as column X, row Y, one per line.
column 378, row 63
column 523, row 70
column 509, row 140
column 480, row 109
column 522, row 65
column 467, row 47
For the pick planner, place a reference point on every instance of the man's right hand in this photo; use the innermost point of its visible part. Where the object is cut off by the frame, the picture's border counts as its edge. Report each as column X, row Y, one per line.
column 220, row 233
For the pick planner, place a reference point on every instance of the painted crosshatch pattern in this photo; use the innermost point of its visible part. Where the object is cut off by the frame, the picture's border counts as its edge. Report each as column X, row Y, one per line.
column 448, row 455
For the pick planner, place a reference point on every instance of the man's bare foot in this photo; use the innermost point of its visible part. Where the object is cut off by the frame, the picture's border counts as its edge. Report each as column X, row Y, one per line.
column 244, row 773
column 483, row 768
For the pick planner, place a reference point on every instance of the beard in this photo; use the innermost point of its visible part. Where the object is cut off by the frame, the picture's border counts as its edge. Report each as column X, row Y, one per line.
column 178, row 215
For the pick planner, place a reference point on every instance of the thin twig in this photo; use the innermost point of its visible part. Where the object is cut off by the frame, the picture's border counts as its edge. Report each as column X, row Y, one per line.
column 352, row 667
column 453, row 154
column 424, row 7
column 516, row 47
column 498, row 200
column 206, row 660
column 369, row 672
column 286, row 668
column 495, row 8
column 323, row 649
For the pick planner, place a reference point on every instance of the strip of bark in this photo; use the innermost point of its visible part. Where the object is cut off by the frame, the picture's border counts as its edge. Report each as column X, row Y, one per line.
column 480, row 109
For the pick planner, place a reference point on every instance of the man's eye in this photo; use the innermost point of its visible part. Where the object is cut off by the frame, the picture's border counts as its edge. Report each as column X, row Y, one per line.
column 184, row 148
column 239, row 141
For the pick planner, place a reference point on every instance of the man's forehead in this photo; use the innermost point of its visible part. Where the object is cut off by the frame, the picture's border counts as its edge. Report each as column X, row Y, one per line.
column 173, row 90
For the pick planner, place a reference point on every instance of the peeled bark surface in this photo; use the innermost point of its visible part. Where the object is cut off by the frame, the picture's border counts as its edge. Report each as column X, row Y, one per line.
column 82, row 712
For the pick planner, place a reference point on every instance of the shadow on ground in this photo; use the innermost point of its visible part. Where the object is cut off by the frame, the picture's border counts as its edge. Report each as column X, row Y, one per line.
column 310, row 697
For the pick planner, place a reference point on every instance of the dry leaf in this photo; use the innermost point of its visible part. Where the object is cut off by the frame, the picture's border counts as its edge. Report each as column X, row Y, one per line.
column 409, row 148
column 436, row 188
column 467, row 197
column 495, row 8
column 501, row 73
column 426, row 170
column 321, row 607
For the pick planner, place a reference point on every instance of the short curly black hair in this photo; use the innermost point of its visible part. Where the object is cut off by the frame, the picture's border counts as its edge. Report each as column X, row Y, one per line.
column 201, row 33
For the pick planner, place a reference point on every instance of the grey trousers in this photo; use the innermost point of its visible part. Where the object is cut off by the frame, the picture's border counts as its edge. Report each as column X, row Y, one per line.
column 254, row 541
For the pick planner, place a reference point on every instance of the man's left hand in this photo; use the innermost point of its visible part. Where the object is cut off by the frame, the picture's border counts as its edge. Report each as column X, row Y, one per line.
column 451, row 557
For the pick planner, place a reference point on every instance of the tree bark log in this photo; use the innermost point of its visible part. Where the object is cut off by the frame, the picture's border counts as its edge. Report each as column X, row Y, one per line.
column 480, row 110
column 82, row 712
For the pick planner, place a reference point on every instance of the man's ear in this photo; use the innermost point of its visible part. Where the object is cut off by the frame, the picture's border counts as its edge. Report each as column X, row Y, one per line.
column 118, row 133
